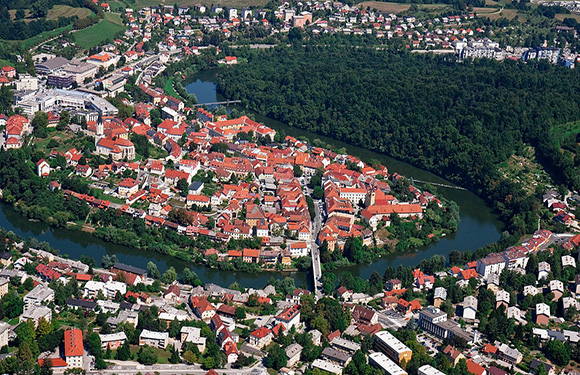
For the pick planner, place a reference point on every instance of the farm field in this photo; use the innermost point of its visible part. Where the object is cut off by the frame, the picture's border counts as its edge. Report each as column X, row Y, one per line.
column 232, row 3
column 396, row 7
column 96, row 34
column 66, row 11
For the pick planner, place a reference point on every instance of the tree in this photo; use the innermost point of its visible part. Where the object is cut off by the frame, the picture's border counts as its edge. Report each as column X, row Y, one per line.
column 39, row 123
column 240, row 313
column 559, row 352
column 124, row 352
column 298, row 171
column 169, row 276
column 183, row 187
column 153, row 271
column 276, row 358
column 174, row 355
column 146, row 355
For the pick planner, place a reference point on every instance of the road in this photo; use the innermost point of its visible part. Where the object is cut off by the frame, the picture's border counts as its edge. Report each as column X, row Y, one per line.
column 316, row 225
column 130, row 368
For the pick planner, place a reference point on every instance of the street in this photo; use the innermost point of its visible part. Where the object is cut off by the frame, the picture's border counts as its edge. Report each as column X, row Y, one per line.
column 314, row 253
column 133, row 368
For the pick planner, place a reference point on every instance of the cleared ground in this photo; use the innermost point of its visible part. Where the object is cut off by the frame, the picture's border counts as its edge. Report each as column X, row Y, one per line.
column 396, row 7
column 96, row 34
column 571, row 15
column 66, row 11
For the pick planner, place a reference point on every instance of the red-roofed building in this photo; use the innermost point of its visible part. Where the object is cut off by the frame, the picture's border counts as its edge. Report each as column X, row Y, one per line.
column 260, row 337
column 73, row 348
column 52, row 362
column 474, row 368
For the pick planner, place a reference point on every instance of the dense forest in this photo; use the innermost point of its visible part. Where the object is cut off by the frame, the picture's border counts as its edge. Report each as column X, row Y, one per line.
column 457, row 120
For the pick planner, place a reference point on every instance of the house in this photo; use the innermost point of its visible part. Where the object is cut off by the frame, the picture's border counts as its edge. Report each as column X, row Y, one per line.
column 83, row 170
column 490, row 264
column 42, row 168
column 289, row 317
column 154, row 339
column 39, row 295
column 73, row 348
column 251, row 255
column 544, row 270
column 35, row 314
column 293, row 352
column 384, row 363
column 469, row 307
column 113, row 340
column 502, row 297
column 556, row 287
column 453, row 355
column 128, row 187
column 173, row 292
column 365, row 315
column 4, row 286
column 5, row 330
column 339, row 357
column 511, row 356
column 475, row 369
column 298, row 249
column 542, row 314
column 193, row 335
column 260, row 338
column 202, row 308
column 439, row 296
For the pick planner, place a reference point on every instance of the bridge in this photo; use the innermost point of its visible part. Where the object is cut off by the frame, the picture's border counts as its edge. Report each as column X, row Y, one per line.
column 438, row 184
column 226, row 102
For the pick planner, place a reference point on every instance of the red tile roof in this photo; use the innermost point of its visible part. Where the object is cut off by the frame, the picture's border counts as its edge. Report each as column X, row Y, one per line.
column 73, row 343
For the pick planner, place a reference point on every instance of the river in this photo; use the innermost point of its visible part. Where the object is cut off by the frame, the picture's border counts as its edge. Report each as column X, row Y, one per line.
column 478, row 225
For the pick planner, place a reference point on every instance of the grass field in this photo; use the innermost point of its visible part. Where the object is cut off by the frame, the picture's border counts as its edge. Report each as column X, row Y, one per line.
column 494, row 13
column 66, row 11
column 96, row 34
column 396, row 7
column 231, row 3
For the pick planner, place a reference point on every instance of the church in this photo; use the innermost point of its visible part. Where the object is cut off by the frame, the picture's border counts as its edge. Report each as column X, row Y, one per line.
column 118, row 148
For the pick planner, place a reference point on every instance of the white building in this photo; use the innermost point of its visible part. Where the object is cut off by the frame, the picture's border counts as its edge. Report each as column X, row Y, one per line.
column 40, row 295
column 155, row 339
column 469, row 307
column 383, row 362
column 490, row 264
column 429, row 370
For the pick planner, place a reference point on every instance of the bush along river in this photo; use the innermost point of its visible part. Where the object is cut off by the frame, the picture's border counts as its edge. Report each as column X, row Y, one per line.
column 478, row 226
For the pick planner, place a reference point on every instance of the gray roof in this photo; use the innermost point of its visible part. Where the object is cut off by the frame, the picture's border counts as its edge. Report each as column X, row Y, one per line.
column 335, row 355
column 53, row 63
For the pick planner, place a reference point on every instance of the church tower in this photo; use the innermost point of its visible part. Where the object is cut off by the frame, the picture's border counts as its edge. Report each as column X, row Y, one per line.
column 100, row 131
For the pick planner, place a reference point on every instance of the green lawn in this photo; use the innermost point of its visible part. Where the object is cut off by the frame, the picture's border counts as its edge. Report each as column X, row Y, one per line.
column 99, row 33
column 162, row 355
column 169, row 90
